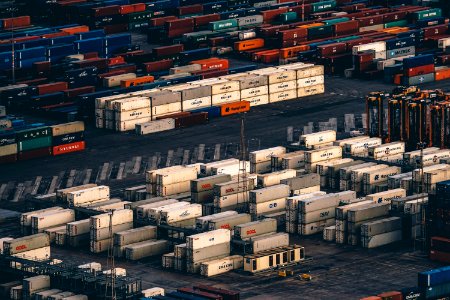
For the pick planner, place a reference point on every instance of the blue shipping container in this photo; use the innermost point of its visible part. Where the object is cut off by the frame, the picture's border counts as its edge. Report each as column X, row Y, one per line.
column 417, row 61
column 89, row 45
column 213, row 111
column 400, row 43
column 434, row 277
column 30, row 53
column 90, row 34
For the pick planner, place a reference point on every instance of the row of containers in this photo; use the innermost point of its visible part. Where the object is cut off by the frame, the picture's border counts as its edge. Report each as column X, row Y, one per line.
column 432, row 284
column 174, row 106
column 21, row 142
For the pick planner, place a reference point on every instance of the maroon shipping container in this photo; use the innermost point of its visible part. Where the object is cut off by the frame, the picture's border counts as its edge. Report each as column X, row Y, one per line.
column 301, row 10
column 125, row 68
column 90, row 55
column 173, row 33
column 155, row 22
column 175, row 115
column 8, row 159
column 217, row 41
column 42, row 66
column 440, row 256
column 35, row 81
column 271, row 31
column 100, row 63
column 346, row 27
column 201, row 294
column 369, row 21
column 352, row 7
column 394, row 16
column 52, row 87
column 111, row 73
column 106, row 10
column 41, row 152
column 444, row 59
column 79, row 91
column 321, row 15
column 226, row 294
column 440, row 244
column 156, row 66
column 293, row 42
column 204, row 20
column 272, row 14
column 211, row 73
column 168, row 50
column 190, row 9
column 331, row 49
column 191, row 120
column 116, row 28
column 419, row 70
column 357, row 42
column 179, row 24
column 364, row 57
column 435, row 30
column 291, row 34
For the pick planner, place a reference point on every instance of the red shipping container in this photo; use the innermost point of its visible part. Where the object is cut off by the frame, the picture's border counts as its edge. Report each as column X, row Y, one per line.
column 116, row 61
column 8, row 159
column 179, row 24
column 293, row 42
column 69, row 148
column 173, row 33
column 90, row 55
column 16, row 22
column 36, row 153
column 394, row 16
column 52, row 87
column 156, row 22
column 139, row 7
column 76, row 29
column 371, row 298
column 190, row 9
column 419, row 70
column 352, row 43
column 126, row 9
column 440, row 256
column 272, row 14
column 292, row 33
column 346, row 27
column 212, row 63
column 330, row 49
column 168, row 50
column 213, row 73
column 156, row 66
column 435, row 30
column 117, row 28
column 270, row 57
column 216, row 41
column 126, row 68
column 206, row 19
column 391, row 296
column 79, row 91
column 100, row 63
column 106, row 10
column 33, row 81
column 53, row 35
column 369, row 21
column 271, row 31
column 192, row 119
column 440, row 243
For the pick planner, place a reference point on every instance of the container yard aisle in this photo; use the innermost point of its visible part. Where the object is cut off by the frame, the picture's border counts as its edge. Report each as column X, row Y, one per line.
column 267, row 123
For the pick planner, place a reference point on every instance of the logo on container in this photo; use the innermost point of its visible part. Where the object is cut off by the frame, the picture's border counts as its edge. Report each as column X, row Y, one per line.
column 251, row 231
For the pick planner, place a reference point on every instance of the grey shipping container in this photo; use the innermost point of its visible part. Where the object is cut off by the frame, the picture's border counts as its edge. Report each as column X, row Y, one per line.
column 207, row 183
column 368, row 212
column 208, row 252
column 145, row 249
column 381, row 226
column 26, row 243
column 302, row 181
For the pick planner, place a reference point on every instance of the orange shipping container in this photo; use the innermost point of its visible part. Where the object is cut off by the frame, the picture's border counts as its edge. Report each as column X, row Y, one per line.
column 398, row 79
column 442, row 73
column 310, row 25
column 136, row 81
column 116, row 61
column 249, row 44
column 290, row 52
column 69, row 148
column 16, row 22
column 234, row 108
column 76, row 29
column 212, row 63
column 371, row 298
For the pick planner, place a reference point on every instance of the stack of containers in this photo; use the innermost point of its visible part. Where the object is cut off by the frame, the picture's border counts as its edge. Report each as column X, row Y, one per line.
column 433, row 177
column 61, row 194
column 345, row 182
column 261, row 160
column 25, row 218
column 171, row 180
column 207, row 169
column 193, row 96
column 206, row 246
column 49, row 219
column 270, row 179
column 282, row 83
column 142, row 211
column 375, row 181
column 363, row 214
column 145, row 249
column 334, row 170
column 33, row 285
column 86, row 196
column 78, row 233
column 164, row 103
column 316, row 213
column 68, row 137
column 229, row 195
column 341, row 220
column 323, row 167
column 131, row 111
column 361, row 147
column 381, row 232
column 411, row 209
column 357, row 176
column 32, row 143
column 101, row 240
column 389, row 150
column 252, row 229
column 180, row 257
column 292, row 160
column 202, row 190
column 36, row 246
column 303, row 184
column 435, row 283
column 268, row 200
column 229, row 222
column 181, row 216
column 292, row 210
column 419, row 69
column 8, row 146
column 313, row 157
column 254, row 88
column 202, row 223
column 222, row 90
column 132, row 236
column 310, row 78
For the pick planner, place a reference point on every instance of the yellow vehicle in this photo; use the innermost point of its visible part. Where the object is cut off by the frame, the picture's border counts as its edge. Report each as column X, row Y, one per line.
column 285, row 273
column 305, row 277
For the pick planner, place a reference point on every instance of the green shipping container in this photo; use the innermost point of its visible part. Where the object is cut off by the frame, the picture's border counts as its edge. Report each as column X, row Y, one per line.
column 319, row 31
column 138, row 25
column 197, row 37
column 33, row 133
column 400, row 23
column 348, row 38
column 223, row 25
column 429, row 13
column 323, row 6
column 288, row 17
column 335, row 21
column 36, row 143
column 140, row 16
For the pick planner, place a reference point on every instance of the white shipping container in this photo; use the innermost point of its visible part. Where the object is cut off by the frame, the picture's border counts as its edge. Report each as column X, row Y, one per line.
column 88, row 195
column 220, row 86
column 258, row 100
column 382, row 239
column 444, row 43
column 132, row 103
column 282, row 86
column 382, row 175
column 145, row 249
column 248, row 230
column 176, row 175
column 310, row 81
column 387, row 196
column 205, row 169
column 207, row 239
column 129, row 125
column 156, row 291
column 311, row 139
column 118, row 217
column 268, row 207
column 317, row 215
column 315, row 227
column 52, row 218
column 274, row 178
column 25, row 243
column 45, row 294
column 292, row 202
column 133, row 114
column 181, row 213
column 202, row 223
column 362, row 146
column 266, row 154
column 206, row 253
column 282, row 96
column 222, row 265
column 314, row 156
column 305, row 70
column 318, row 203
column 255, row 91
column 229, row 222
column 25, row 218
column 173, row 189
column 165, row 109
column 377, row 46
column 142, row 211
column 232, row 169
column 311, row 90
column 154, row 213
column 38, row 254
column 350, row 140
column 119, row 272
column 35, row 283
column 218, row 99
column 104, row 233
column 432, row 158
column 275, row 75
column 269, row 241
column 388, row 149
column 197, row 103
column 269, row 193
